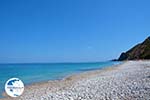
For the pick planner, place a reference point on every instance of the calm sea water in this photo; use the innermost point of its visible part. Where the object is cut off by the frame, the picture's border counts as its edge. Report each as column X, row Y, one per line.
column 37, row 72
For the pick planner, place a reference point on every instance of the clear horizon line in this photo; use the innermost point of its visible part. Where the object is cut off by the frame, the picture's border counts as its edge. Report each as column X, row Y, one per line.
column 52, row 62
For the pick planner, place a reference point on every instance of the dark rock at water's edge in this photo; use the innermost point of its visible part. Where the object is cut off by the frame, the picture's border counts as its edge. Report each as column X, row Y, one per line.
column 140, row 51
column 114, row 60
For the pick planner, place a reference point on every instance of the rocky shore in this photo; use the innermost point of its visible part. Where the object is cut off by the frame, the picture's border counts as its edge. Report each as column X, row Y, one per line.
column 127, row 81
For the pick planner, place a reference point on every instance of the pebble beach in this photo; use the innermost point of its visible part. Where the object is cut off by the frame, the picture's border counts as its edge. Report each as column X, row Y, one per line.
column 127, row 81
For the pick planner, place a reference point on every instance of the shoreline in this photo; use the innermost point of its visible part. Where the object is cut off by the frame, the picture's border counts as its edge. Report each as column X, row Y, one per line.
column 66, row 78
column 56, row 89
column 78, row 71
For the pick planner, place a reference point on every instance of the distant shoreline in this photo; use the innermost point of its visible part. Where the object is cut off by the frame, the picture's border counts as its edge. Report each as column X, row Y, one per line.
column 71, row 85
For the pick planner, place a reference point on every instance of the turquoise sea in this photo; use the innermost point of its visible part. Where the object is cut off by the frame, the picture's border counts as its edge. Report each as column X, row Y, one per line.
column 38, row 72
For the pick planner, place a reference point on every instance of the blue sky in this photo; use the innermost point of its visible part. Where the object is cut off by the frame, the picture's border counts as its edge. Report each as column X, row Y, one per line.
column 70, row 30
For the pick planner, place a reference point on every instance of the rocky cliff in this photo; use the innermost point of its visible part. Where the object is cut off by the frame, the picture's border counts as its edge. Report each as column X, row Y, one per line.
column 140, row 51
